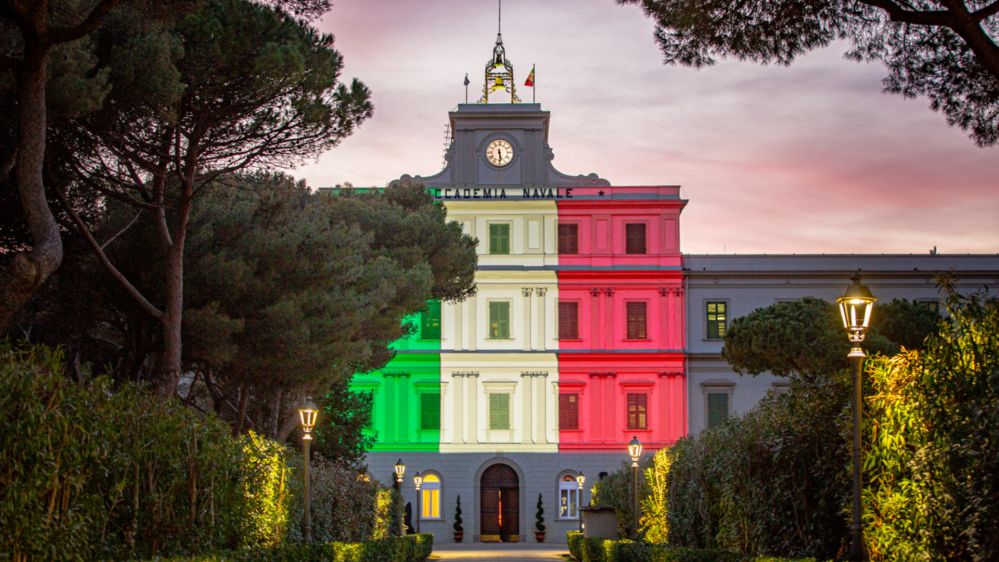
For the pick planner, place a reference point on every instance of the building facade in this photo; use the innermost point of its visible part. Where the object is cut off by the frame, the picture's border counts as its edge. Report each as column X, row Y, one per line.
column 588, row 327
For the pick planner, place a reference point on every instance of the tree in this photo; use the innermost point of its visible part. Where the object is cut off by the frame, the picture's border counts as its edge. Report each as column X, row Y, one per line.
column 188, row 104
column 33, row 29
column 805, row 339
column 944, row 49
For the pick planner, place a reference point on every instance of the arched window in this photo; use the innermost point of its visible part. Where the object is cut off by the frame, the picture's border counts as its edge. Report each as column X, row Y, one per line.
column 430, row 503
column 568, row 498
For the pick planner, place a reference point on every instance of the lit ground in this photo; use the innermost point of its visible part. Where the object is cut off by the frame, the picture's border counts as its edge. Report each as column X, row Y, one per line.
column 500, row 551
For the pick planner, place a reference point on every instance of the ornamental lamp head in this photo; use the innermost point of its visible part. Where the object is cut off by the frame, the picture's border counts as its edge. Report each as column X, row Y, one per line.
column 308, row 414
column 635, row 450
column 855, row 308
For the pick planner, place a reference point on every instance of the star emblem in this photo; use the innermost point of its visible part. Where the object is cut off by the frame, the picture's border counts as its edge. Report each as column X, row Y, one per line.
column 601, row 193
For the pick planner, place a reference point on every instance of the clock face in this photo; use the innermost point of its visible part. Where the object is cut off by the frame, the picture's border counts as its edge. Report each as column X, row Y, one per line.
column 499, row 152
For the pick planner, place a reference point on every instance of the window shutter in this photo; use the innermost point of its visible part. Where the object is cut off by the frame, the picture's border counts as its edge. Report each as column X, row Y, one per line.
column 430, row 411
column 499, row 239
column 636, row 320
column 499, row 411
column 568, row 411
column 568, row 320
column 634, row 238
column 717, row 409
column 499, row 320
column 638, row 411
column 568, row 238
column 431, row 327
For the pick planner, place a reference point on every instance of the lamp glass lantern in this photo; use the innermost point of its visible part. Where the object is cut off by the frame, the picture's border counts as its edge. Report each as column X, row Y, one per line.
column 400, row 469
column 635, row 450
column 307, row 414
column 855, row 308
column 580, row 480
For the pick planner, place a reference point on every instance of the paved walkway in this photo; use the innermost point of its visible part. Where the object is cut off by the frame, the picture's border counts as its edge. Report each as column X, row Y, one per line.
column 516, row 552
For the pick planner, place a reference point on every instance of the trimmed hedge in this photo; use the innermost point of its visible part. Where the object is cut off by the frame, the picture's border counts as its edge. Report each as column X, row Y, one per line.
column 410, row 548
column 603, row 550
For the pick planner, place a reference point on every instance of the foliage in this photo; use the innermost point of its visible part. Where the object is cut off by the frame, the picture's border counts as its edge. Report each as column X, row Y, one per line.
column 457, row 516
column 595, row 549
column 618, row 491
column 384, row 512
column 344, row 502
column 772, row 481
column 932, row 424
column 539, row 524
column 411, row 548
column 805, row 339
column 655, row 506
column 946, row 51
column 343, row 416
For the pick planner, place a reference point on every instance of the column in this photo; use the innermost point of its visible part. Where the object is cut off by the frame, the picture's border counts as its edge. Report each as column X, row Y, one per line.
column 473, row 322
column 527, row 434
column 596, row 333
column 459, row 408
column 459, row 334
column 472, row 404
column 610, row 338
column 666, row 317
column 541, row 403
column 542, row 310
column 527, row 318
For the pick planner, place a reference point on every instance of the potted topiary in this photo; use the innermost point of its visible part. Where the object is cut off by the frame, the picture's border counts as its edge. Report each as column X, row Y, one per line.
column 539, row 526
column 459, row 532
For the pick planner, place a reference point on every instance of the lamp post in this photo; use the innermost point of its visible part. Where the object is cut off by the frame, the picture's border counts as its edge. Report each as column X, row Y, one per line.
column 400, row 469
column 307, row 415
column 418, row 513
column 579, row 501
column 855, row 307
column 635, row 450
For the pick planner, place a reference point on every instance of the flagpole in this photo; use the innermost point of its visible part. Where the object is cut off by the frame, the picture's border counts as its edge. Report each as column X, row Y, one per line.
column 534, row 87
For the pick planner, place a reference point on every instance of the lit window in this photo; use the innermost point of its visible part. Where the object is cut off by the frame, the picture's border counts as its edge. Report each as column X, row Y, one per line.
column 717, row 409
column 430, row 503
column 638, row 411
column 568, row 238
column 717, row 317
column 636, row 320
column 499, row 411
column 634, row 238
column 568, row 411
column 568, row 498
column 430, row 327
column 499, row 239
column 499, row 320
column 568, row 320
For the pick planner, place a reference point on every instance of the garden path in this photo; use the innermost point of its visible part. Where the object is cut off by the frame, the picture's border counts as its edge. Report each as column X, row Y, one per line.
column 517, row 552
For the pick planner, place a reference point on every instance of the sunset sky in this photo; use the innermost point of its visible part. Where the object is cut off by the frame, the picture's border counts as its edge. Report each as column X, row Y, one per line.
column 812, row 158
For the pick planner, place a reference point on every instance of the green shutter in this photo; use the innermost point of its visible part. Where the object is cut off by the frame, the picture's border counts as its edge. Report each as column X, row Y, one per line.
column 430, row 411
column 499, row 411
column 430, row 328
column 717, row 409
column 499, row 239
column 499, row 320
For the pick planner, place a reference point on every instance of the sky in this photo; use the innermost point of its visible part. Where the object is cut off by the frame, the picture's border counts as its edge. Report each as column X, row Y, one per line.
column 811, row 158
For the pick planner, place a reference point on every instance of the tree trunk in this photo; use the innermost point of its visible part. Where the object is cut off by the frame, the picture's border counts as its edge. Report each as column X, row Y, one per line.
column 26, row 273
column 272, row 430
column 173, row 311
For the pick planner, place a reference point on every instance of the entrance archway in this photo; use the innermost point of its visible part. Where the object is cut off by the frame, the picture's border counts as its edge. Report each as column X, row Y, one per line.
column 499, row 503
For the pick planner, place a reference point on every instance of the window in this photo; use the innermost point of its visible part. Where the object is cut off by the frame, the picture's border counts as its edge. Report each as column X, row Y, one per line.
column 430, row 327
column 568, row 320
column 638, row 411
column 636, row 320
column 717, row 409
column 634, row 238
column 568, row 411
column 499, row 320
column 499, row 239
column 430, row 411
column 499, row 411
column 430, row 503
column 568, row 238
column 717, row 316
column 932, row 304
column 568, row 498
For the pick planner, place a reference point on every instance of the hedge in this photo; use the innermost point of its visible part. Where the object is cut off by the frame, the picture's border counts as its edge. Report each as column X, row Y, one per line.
column 594, row 549
column 410, row 548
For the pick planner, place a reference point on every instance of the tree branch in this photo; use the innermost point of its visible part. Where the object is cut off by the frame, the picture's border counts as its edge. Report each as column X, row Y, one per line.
column 897, row 13
column 122, row 231
column 146, row 305
column 93, row 20
column 986, row 12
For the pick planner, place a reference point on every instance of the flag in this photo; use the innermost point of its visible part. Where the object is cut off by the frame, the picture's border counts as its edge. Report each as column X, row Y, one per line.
column 466, row 79
column 530, row 78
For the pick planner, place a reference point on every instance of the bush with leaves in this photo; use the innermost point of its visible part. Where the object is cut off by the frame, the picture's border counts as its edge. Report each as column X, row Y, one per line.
column 617, row 490
column 457, row 517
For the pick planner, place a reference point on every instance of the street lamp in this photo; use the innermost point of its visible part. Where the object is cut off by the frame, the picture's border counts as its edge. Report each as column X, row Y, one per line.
column 579, row 501
column 635, row 450
column 418, row 481
column 855, row 307
column 400, row 469
column 307, row 415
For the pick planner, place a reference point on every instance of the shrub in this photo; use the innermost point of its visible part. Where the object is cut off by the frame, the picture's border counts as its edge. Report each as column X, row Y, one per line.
column 457, row 516
column 411, row 548
column 617, row 489
column 344, row 502
column 602, row 550
column 539, row 524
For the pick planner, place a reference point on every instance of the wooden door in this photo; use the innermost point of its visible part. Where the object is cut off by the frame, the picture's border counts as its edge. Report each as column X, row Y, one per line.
column 499, row 501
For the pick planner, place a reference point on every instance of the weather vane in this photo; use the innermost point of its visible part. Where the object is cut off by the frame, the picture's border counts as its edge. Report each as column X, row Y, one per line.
column 499, row 70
